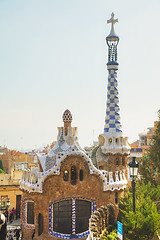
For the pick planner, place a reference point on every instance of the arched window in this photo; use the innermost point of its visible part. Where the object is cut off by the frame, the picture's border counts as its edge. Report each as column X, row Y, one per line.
column 30, row 213
column 81, row 175
column 65, row 175
column 40, row 224
column 117, row 162
column 73, row 176
column 123, row 161
column 116, row 197
column 101, row 167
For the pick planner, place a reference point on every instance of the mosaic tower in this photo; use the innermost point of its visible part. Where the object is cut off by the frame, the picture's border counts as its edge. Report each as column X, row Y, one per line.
column 112, row 120
column 111, row 140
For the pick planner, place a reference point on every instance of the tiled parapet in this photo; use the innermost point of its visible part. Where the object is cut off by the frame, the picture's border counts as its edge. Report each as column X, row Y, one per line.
column 111, row 180
column 114, row 145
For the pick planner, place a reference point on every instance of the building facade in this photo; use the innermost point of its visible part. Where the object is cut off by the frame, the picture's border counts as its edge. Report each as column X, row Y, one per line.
column 14, row 164
column 9, row 191
column 59, row 199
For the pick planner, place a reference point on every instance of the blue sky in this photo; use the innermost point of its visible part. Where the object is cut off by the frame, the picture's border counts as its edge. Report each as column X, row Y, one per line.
column 53, row 56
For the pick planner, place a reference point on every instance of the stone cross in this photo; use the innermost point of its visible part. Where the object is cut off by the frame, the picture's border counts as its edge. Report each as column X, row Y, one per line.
column 112, row 20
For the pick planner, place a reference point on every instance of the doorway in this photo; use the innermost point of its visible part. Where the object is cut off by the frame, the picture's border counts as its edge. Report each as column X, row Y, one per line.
column 18, row 206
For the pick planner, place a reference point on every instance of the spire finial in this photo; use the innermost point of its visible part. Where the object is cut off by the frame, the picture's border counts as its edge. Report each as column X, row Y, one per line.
column 112, row 41
column 67, row 116
column 112, row 21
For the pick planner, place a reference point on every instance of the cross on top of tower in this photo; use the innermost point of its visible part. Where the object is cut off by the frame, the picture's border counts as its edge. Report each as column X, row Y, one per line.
column 112, row 21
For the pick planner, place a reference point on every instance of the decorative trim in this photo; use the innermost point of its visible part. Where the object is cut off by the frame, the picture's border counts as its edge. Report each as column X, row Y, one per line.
column 69, row 236
column 74, row 215
column 112, row 67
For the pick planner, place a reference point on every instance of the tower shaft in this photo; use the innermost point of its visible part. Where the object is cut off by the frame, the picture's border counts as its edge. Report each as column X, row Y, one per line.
column 112, row 120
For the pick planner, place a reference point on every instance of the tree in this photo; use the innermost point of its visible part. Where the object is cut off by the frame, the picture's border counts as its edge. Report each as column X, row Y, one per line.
column 150, row 164
column 1, row 171
column 1, row 164
column 145, row 222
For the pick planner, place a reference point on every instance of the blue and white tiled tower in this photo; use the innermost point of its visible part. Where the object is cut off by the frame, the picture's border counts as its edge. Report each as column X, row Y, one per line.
column 112, row 119
column 112, row 140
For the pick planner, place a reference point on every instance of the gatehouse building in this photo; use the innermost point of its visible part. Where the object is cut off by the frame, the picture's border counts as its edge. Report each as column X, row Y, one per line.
column 60, row 196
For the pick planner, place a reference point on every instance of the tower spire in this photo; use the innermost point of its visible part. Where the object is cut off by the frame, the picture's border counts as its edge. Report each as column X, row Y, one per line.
column 112, row 126
column 112, row 140
column 112, row 41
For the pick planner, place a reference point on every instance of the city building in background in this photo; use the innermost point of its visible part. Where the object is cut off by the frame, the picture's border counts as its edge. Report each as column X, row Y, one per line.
column 140, row 147
column 13, row 164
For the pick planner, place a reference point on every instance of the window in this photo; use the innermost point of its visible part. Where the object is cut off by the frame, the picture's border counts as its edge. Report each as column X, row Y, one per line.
column 18, row 166
column 40, row 224
column 65, row 211
column 117, row 162
column 83, row 213
column 18, row 206
column 100, row 167
column 62, row 217
column 116, row 197
column 30, row 213
column 123, row 161
column 65, row 175
column 81, row 175
column 73, row 176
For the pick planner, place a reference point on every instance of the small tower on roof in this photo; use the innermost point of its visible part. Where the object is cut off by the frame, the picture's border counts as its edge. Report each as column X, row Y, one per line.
column 67, row 119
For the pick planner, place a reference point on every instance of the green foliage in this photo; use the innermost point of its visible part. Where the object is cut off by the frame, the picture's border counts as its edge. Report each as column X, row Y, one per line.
column 110, row 236
column 1, row 171
column 150, row 164
column 145, row 223
column 1, row 164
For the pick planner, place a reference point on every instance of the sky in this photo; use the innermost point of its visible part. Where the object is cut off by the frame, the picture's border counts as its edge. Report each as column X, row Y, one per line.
column 53, row 57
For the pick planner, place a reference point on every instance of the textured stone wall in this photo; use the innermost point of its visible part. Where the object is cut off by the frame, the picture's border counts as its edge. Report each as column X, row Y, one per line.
column 55, row 188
